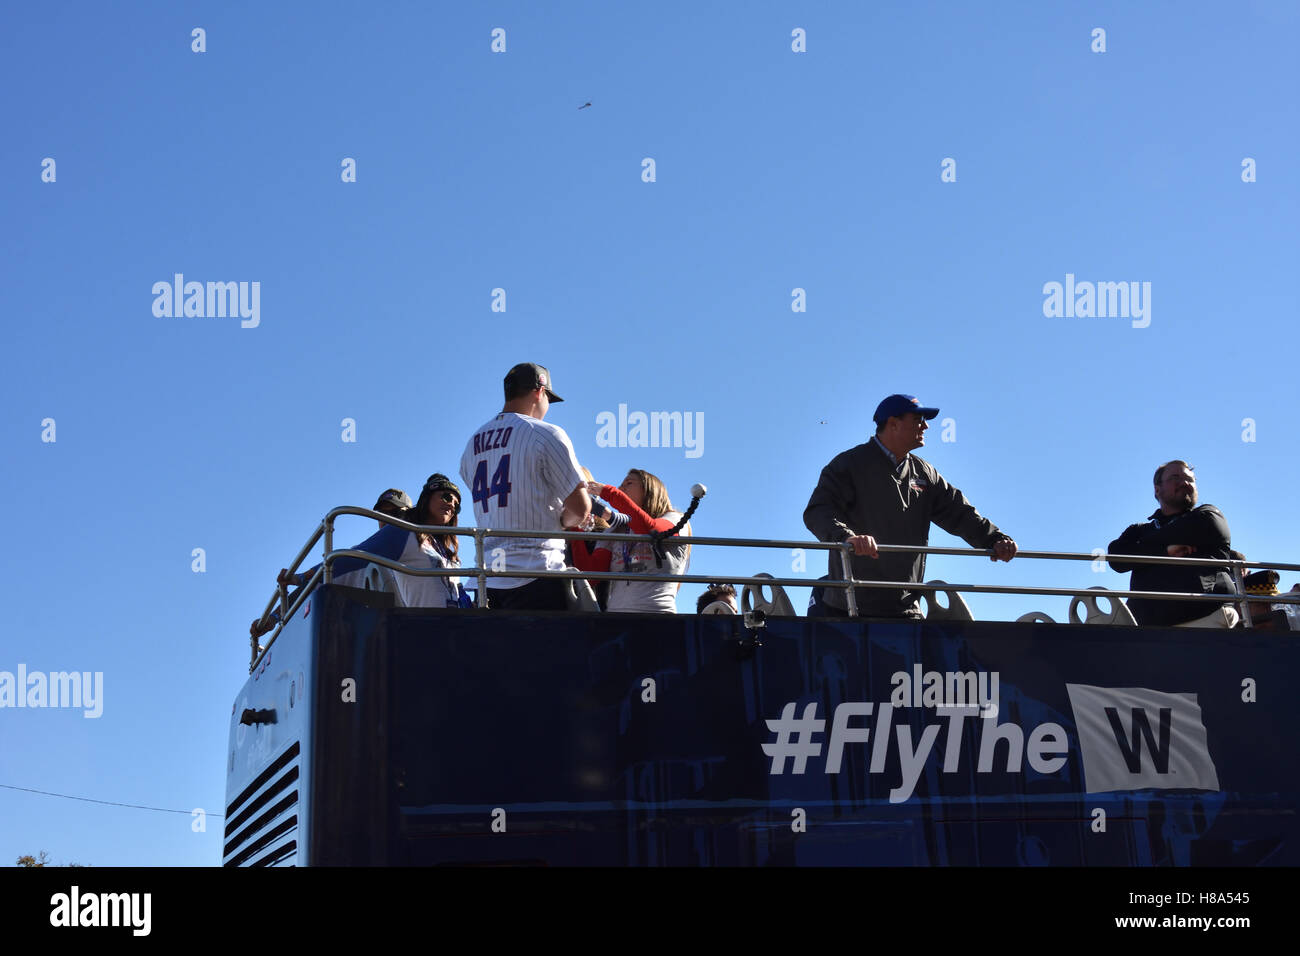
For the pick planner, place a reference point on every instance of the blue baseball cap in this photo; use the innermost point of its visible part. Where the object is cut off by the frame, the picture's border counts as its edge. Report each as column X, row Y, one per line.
column 896, row 405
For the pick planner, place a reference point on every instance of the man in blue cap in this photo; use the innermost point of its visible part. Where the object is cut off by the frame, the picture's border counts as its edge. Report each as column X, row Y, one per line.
column 879, row 491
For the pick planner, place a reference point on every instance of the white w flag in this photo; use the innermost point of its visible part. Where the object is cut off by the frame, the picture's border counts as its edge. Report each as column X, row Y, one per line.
column 1134, row 738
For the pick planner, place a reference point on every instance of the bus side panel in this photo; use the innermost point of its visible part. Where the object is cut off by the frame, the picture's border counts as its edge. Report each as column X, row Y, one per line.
column 630, row 739
column 352, row 788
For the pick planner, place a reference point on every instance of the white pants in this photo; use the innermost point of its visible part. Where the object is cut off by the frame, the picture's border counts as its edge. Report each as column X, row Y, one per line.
column 1226, row 616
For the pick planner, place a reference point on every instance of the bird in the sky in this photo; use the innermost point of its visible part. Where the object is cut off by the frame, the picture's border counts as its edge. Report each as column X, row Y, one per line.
column 584, row 106
column 822, row 422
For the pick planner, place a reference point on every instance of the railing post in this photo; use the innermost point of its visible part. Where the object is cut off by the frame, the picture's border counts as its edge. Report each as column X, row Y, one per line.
column 1239, row 582
column 850, row 594
column 329, row 546
column 478, row 561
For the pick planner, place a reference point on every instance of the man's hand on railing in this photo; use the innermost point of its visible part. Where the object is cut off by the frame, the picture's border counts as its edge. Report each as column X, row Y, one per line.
column 1003, row 550
column 285, row 578
column 863, row 545
column 257, row 628
column 1180, row 550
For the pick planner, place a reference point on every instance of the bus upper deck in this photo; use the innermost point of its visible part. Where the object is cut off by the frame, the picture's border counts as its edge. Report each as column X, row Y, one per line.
column 370, row 733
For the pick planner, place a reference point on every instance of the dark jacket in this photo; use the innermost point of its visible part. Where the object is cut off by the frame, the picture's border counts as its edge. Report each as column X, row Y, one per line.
column 1206, row 530
column 860, row 492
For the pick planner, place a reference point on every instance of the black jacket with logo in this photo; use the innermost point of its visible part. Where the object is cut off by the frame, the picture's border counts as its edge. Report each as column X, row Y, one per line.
column 860, row 492
column 1206, row 530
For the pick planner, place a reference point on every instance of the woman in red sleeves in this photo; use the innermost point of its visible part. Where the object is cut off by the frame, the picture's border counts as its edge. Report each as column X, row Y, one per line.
column 644, row 499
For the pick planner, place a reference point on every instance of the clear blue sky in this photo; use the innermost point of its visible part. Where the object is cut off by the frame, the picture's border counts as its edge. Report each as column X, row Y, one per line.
column 775, row 170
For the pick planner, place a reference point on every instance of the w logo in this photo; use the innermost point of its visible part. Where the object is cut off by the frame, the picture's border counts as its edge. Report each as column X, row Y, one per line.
column 1131, row 749
column 1133, row 738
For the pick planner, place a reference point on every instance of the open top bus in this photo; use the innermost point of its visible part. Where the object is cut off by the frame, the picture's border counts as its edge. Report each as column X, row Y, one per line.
column 368, row 733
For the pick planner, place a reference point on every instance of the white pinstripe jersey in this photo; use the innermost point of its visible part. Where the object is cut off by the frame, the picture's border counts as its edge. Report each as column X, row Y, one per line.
column 519, row 470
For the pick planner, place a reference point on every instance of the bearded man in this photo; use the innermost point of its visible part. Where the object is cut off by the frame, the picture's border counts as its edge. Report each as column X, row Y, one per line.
column 1178, row 529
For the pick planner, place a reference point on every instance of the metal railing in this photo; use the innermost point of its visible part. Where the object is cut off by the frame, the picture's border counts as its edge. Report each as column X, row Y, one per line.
column 324, row 572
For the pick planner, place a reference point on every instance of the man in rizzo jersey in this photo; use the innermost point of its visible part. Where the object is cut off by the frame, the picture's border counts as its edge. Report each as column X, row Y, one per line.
column 523, row 475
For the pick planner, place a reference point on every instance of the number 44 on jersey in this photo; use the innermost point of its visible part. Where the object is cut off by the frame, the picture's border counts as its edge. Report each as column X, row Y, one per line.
column 499, row 488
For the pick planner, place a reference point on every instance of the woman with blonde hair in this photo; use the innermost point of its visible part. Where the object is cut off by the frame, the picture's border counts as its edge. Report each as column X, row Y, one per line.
column 644, row 499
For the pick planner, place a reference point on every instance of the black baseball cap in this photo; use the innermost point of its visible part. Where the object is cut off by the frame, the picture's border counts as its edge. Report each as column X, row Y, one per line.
column 527, row 376
column 393, row 496
column 896, row 405
column 440, row 482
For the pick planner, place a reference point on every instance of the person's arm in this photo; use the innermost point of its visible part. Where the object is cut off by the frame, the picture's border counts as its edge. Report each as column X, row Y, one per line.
column 1206, row 532
column 950, row 510
column 577, row 507
column 560, row 465
column 826, row 515
column 1201, row 534
column 1128, row 543
column 641, row 523
column 388, row 542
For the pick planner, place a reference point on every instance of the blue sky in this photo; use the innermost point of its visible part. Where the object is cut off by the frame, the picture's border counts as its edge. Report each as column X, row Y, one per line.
column 774, row 171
